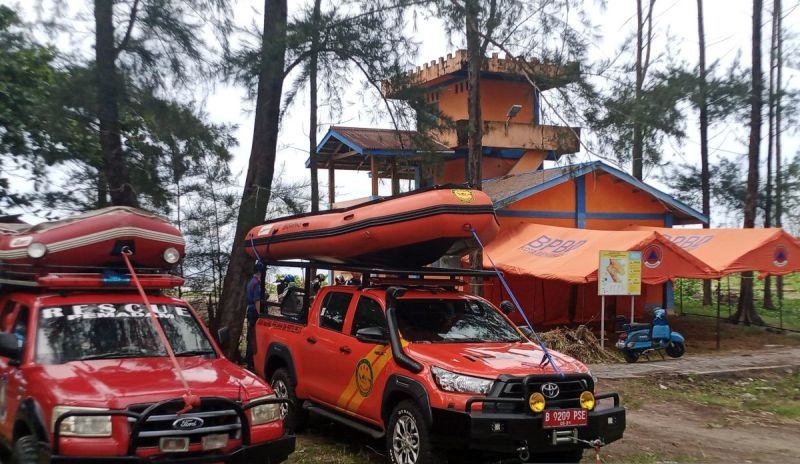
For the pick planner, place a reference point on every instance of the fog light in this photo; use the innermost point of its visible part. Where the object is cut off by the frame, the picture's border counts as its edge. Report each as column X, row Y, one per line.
column 37, row 250
column 536, row 402
column 497, row 427
column 174, row 444
column 171, row 255
column 216, row 441
column 587, row 400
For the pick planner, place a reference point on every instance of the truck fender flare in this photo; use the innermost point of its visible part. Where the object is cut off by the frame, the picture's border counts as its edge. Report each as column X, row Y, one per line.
column 282, row 352
column 407, row 387
column 30, row 413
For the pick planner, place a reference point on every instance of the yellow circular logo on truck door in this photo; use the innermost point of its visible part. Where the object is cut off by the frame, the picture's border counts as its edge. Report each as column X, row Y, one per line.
column 364, row 377
column 463, row 195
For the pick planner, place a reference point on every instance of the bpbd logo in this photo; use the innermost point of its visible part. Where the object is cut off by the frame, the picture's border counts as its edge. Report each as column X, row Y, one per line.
column 780, row 257
column 652, row 256
column 551, row 247
column 689, row 242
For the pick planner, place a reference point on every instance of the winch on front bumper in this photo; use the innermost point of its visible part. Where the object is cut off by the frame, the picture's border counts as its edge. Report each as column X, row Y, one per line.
column 505, row 423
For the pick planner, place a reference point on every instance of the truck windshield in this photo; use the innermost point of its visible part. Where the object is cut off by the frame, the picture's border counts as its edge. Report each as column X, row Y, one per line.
column 106, row 331
column 453, row 321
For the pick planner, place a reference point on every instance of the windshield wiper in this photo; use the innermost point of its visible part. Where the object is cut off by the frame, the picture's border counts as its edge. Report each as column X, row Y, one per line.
column 194, row 352
column 120, row 354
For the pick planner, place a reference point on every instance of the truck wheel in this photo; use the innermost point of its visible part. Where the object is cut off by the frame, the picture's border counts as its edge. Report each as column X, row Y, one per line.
column 675, row 349
column 408, row 440
column 26, row 450
column 294, row 416
column 630, row 356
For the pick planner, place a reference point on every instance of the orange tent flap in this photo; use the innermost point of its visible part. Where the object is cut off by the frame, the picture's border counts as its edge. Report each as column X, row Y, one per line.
column 573, row 255
column 770, row 251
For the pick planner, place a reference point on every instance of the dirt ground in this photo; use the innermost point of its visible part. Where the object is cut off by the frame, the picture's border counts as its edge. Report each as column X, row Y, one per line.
column 679, row 428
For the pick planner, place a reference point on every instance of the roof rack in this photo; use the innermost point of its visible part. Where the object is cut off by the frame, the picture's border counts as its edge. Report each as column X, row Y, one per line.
column 84, row 277
column 418, row 273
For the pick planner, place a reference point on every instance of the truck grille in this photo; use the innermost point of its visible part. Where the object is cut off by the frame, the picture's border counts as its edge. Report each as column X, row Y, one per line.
column 569, row 386
column 217, row 415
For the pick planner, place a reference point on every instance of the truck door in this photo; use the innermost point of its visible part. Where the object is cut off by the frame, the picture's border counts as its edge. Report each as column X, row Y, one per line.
column 327, row 350
column 368, row 363
column 14, row 319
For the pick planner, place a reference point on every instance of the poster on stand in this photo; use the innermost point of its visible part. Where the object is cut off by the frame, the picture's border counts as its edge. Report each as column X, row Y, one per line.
column 620, row 273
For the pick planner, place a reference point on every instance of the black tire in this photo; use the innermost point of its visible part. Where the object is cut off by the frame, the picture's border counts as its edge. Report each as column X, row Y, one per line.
column 630, row 356
column 295, row 418
column 675, row 349
column 26, row 450
column 571, row 456
column 408, row 437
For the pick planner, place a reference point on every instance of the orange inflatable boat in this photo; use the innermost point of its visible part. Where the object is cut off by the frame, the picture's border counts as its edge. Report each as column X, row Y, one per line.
column 403, row 231
column 93, row 239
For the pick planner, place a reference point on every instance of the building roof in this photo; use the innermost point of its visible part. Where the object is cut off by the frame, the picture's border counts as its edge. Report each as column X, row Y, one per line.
column 509, row 189
column 348, row 146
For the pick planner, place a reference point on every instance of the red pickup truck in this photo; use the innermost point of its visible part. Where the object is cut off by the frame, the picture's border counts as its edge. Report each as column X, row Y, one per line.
column 431, row 370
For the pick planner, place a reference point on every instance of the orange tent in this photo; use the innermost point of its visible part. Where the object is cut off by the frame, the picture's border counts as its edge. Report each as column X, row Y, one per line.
column 573, row 255
column 553, row 270
column 769, row 251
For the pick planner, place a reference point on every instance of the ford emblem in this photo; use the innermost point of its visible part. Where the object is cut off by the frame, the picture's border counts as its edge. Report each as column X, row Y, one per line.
column 187, row 423
column 550, row 390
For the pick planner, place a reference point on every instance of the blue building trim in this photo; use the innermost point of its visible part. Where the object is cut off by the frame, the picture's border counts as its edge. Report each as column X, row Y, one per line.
column 537, row 107
column 669, row 220
column 574, row 215
column 580, row 202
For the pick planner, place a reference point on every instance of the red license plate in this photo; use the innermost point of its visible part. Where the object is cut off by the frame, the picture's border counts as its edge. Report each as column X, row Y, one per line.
column 555, row 418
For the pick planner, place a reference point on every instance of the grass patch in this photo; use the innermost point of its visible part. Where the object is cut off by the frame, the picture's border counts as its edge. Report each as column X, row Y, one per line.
column 766, row 396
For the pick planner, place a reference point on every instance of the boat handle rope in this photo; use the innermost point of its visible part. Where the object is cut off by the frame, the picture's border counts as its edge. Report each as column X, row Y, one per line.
column 190, row 400
column 547, row 356
column 255, row 250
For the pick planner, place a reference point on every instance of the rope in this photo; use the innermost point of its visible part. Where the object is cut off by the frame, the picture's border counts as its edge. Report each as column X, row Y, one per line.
column 190, row 400
column 518, row 306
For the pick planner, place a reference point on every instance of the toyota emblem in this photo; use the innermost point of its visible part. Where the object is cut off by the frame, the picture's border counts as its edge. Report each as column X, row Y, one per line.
column 550, row 390
column 187, row 423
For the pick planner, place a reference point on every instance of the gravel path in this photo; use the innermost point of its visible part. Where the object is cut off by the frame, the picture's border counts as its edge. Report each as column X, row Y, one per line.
column 729, row 361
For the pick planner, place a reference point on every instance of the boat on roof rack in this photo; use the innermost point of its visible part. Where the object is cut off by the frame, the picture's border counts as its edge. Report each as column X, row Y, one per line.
column 85, row 251
column 405, row 231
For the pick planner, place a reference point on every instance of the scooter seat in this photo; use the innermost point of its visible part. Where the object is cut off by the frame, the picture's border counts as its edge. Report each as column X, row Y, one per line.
column 639, row 326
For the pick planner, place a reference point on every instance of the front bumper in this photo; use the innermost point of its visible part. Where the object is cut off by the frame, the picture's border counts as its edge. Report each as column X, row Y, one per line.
column 272, row 452
column 508, row 432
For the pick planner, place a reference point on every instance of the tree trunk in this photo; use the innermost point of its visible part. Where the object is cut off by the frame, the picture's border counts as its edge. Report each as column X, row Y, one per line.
column 704, row 175
column 642, row 63
column 778, row 17
column 746, row 310
column 312, row 126
column 114, row 167
column 773, row 56
column 475, row 127
column 260, row 170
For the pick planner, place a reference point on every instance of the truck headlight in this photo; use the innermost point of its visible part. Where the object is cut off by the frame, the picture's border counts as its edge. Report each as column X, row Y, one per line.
column 450, row 381
column 81, row 426
column 265, row 413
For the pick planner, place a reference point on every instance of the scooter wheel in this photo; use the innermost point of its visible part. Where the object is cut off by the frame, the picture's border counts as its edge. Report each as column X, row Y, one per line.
column 630, row 356
column 675, row 350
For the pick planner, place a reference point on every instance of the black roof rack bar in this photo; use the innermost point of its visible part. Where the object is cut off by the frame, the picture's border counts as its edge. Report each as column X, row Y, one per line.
column 429, row 271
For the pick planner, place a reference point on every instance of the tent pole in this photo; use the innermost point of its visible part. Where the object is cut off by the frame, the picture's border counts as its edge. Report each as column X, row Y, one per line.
column 780, row 309
column 719, row 285
column 602, row 321
column 729, row 296
column 633, row 299
column 680, row 289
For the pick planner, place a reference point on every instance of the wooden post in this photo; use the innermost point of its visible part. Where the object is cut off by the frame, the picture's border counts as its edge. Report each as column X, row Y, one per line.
column 395, row 179
column 331, row 182
column 374, row 169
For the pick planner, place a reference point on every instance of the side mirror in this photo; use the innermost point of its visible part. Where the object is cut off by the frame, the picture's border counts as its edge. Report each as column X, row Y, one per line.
column 224, row 337
column 507, row 307
column 9, row 347
column 372, row 335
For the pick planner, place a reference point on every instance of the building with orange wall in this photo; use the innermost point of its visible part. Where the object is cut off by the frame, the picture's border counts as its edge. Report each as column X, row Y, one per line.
column 515, row 147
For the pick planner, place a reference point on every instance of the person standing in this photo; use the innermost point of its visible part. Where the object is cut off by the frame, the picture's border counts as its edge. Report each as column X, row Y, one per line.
column 253, row 309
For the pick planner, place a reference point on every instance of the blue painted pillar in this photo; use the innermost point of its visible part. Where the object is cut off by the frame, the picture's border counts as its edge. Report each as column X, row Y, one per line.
column 537, row 107
column 580, row 202
column 669, row 290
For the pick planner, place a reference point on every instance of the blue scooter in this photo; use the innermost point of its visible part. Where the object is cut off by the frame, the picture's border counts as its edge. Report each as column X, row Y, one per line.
column 642, row 339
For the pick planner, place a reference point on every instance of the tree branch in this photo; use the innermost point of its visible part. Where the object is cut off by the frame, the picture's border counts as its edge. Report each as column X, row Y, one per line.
column 127, row 37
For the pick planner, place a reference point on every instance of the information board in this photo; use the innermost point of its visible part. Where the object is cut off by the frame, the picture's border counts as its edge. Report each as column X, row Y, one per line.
column 620, row 273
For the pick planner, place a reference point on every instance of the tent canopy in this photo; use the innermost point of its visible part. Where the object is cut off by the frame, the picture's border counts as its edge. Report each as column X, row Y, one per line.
column 573, row 255
column 770, row 251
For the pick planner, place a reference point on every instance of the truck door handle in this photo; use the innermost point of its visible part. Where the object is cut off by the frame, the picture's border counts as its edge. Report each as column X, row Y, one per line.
column 345, row 349
column 311, row 340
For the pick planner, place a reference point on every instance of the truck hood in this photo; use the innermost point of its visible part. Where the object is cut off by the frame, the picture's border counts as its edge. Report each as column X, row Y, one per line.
column 490, row 360
column 117, row 383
